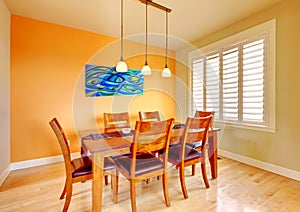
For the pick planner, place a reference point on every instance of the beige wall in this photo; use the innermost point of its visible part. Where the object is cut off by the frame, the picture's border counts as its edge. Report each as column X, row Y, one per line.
column 4, row 88
column 281, row 148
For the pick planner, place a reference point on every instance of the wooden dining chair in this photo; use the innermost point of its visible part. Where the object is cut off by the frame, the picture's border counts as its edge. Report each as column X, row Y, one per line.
column 79, row 169
column 200, row 113
column 142, row 164
column 114, row 122
column 149, row 116
column 182, row 155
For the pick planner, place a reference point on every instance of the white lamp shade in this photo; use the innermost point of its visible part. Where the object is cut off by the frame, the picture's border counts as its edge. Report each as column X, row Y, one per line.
column 166, row 72
column 121, row 66
column 146, row 70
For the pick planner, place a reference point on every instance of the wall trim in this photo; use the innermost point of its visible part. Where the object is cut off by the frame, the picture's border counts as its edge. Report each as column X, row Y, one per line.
column 40, row 161
column 295, row 175
column 33, row 163
column 4, row 174
column 240, row 158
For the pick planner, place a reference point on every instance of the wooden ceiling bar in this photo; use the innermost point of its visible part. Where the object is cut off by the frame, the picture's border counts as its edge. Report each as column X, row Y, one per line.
column 151, row 3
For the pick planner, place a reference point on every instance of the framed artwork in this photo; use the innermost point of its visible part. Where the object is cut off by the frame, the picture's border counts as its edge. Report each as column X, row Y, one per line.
column 106, row 81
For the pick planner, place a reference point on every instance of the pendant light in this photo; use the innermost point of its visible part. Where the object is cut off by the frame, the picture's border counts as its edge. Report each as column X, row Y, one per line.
column 146, row 70
column 166, row 72
column 121, row 66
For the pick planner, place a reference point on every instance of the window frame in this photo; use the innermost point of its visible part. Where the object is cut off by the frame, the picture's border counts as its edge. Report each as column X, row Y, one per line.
column 267, row 29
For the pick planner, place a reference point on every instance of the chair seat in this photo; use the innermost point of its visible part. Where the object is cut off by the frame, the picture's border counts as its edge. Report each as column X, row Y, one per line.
column 190, row 153
column 198, row 144
column 145, row 162
column 83, row 166
column 114, row 157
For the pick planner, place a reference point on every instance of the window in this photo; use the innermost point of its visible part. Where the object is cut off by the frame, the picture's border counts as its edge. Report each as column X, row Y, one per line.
column 235, row 78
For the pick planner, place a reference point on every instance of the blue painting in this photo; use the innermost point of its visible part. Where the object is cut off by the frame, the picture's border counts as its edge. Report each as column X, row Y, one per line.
column 106, row 81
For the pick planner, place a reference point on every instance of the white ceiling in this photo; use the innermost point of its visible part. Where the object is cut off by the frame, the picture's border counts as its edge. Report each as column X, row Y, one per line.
column 188, row 21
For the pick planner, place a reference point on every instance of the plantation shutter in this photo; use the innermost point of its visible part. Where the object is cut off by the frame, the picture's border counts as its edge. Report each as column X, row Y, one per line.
column 231, row 84
column 253, row 81
column 212, row 84
column 236, row 78
column 198, row 86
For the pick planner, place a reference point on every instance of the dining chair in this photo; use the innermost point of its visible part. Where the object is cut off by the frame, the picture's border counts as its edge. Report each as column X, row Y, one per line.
column 183, row 154
column 142, row 164
column 79, row 169
column 200, row 113
column 149, row 116
column 114, row 122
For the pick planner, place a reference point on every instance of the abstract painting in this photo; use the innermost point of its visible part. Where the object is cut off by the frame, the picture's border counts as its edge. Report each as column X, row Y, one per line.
column 106, row 81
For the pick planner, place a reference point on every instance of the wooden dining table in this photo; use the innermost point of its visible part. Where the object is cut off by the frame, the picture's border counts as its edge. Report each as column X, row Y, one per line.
column 101, row 145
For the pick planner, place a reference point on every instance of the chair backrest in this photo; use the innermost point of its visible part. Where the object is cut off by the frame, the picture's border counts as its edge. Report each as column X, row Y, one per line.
column 64, row 145
column 149, row 116
column 151, row 137
column 115, row 121
column 196, row 131
column 199, row 113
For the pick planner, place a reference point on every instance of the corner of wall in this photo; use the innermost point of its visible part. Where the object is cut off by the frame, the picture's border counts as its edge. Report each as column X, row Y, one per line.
column 4, row 91
column 4, row 174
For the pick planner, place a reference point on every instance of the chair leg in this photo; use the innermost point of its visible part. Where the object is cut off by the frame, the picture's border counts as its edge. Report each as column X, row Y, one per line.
column 114, row 183
column 204, row 175
column 132, row 195
column 166, row 190
column 63, row 192
column 106, row 179
column 68, row 197
column 193, row 169
column 182, row 181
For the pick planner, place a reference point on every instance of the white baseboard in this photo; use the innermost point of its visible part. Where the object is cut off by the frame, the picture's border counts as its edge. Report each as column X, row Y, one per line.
column 262, row 165
column 33, row 163
column 250, row 161
column 40, row 161
column 4, row 174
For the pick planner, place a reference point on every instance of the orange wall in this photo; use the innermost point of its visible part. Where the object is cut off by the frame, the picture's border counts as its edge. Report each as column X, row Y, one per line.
column 47, row 80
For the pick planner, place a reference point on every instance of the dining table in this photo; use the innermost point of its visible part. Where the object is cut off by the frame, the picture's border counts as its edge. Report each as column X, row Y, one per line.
column 100, row 145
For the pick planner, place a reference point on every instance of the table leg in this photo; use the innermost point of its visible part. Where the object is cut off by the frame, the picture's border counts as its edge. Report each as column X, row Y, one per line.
column 213, row 154
column 98, row 164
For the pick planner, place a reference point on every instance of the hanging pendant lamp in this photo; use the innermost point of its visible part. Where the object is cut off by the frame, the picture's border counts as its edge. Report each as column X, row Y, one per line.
column 146, row 70
column 121, row 66
column 166, row 72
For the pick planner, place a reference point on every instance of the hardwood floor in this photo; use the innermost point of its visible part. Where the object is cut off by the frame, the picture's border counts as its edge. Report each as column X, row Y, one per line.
column 239, row 187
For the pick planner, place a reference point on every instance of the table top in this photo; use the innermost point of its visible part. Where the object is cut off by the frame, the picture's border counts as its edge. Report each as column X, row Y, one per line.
column 109, row 144
column 117, row 140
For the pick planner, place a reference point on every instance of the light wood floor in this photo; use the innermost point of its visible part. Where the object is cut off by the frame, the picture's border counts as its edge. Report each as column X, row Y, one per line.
column 239, row 187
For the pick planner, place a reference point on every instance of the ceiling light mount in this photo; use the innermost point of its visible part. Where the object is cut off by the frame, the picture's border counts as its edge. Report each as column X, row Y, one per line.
column 158, row 6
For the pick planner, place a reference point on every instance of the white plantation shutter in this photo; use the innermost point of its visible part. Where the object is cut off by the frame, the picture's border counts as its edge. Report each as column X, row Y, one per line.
column 253, row 81
column 231, row 82
column 236, row 78
column 198, row 86
column 212, row 83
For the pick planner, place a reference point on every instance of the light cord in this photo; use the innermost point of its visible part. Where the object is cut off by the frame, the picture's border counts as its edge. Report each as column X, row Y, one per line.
column 121, row 30
column 146, row 62
column 167, row 39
